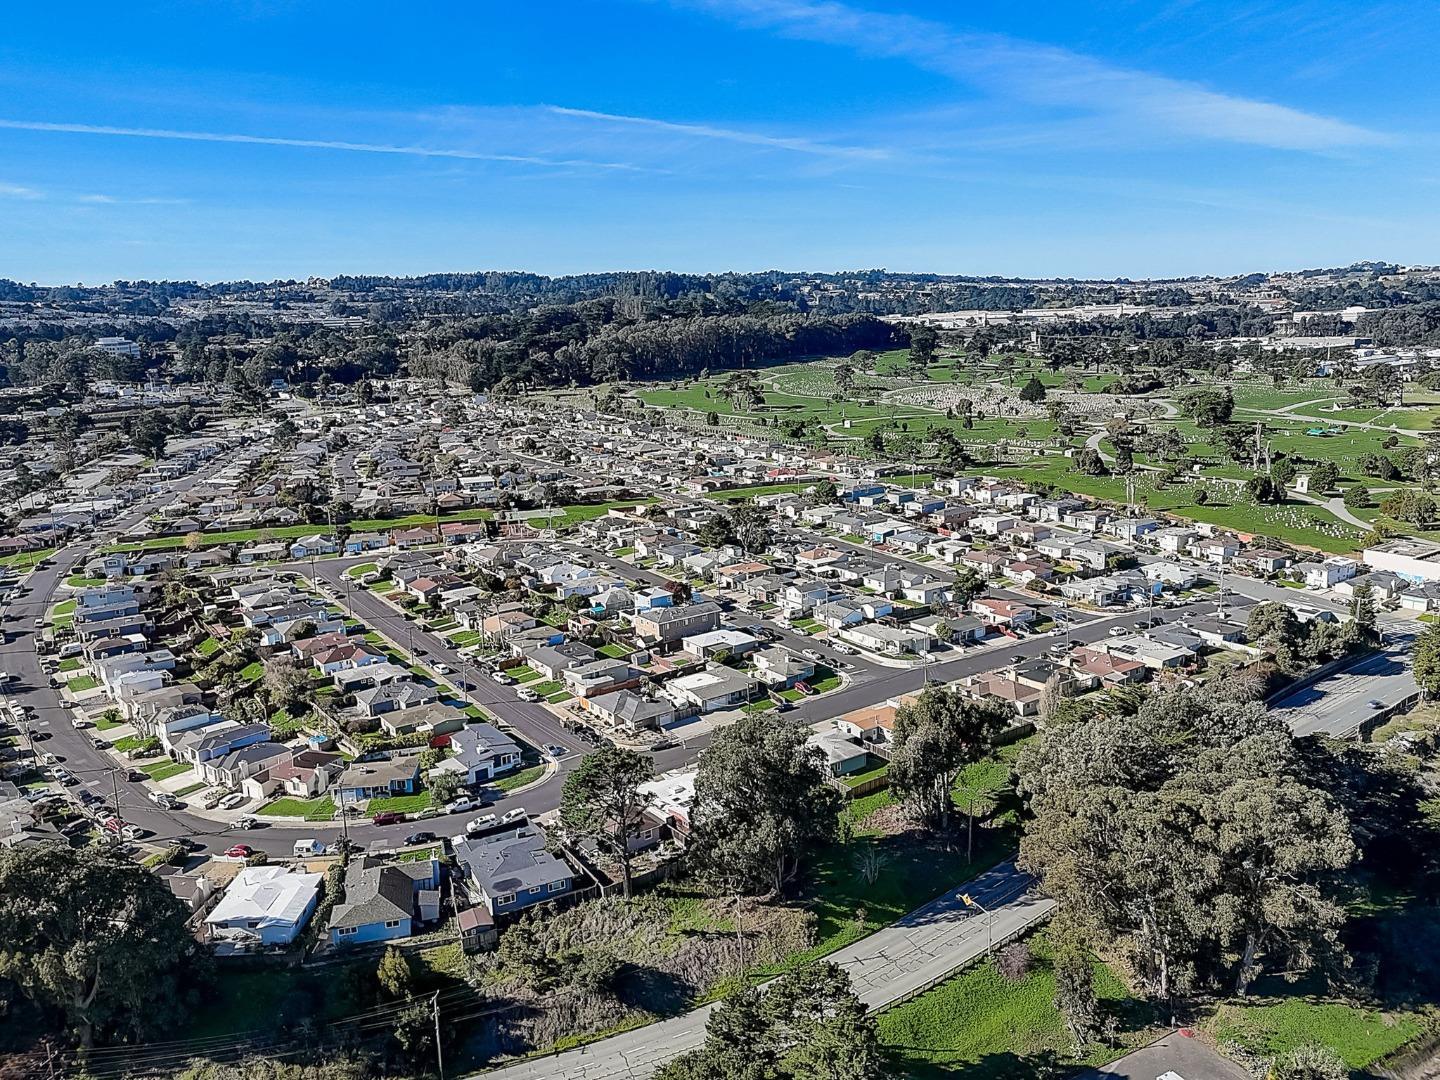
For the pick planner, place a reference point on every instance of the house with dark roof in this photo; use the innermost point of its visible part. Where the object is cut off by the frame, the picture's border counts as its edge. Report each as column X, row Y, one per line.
column 511, row 871
column 385, row 901
column 630, row 710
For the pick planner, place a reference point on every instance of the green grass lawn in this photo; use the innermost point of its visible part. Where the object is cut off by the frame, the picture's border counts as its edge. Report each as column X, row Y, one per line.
column 65, row 607
column 1360, row 1036
column 360, row 568
column 104, row 723
column 253, row 671
column 546, row 687
column 70, row 664
column 523, row 674
column 465, row 637
column 25, row 560
column 284, row 726
column 614, row 650
column 981, row 1026
column 80, row 581
column 164, row 770
column 824, row 681
column 865, row 775
column 321, row 809
column 401, row 804
column 520, row 778
column 81, row 683
column 190, row 789
column 128, row 743
column 208, row 648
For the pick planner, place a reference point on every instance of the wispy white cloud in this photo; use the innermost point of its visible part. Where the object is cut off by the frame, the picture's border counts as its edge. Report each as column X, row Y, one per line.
column 1049, row 76
column 97, row 199
column 749, row 138
column 312, row 144
column 16, row 191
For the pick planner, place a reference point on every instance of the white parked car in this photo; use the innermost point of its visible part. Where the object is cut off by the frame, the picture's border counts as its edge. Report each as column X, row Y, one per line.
column 442, row 669
column 463, row 804
column 524, row 693
column 518, row 814
column 231, row 801
column 479, row 824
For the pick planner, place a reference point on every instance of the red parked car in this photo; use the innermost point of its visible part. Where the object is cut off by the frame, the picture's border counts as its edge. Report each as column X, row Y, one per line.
column 388, row 817
column 240, row 851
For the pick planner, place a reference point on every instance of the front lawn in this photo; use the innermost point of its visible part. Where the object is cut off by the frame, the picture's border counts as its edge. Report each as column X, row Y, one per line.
column 322, row 809
column 190, row 789
column 401, row 804
column 79, row 581
column 523, row 674
column 70, row 664
column 547, row 687
column 81, row 683
column 164, row 770
column 519, row 779
column 65, row 607
column 105, row 721
column 362, row 568
column 824, row 681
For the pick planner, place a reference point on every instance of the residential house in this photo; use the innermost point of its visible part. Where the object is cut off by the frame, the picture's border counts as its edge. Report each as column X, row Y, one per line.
column 842, row 754
column 631, row 711
column 667, row 626
column 397, row 774
column 268, row 905
column 711, row 689
column 512, row 870
column 384, row 901
column 780, row 668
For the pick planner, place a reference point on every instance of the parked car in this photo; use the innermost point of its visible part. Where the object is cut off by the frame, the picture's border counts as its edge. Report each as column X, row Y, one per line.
column 387, row 817
column 247, row 821
column 480, row 824
column 64, row 777
column 503, row 679
column 165, row 799
column 420, row 838
column 442, row 669
column 557, row 751
column 524, row 693
column 463, row 804
column 518, row 814
column 239, row 851
column 134, row 832
column 135, row 776
column 812, row 654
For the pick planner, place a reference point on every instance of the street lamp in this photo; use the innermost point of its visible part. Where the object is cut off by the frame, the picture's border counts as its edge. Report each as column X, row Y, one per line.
column 970, row 901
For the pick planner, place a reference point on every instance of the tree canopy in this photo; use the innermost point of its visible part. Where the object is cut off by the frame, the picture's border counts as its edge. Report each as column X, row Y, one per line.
column 601, row 801
column 1193, row 838
column 761, row 804
column 806, row 1025
column 97, row 939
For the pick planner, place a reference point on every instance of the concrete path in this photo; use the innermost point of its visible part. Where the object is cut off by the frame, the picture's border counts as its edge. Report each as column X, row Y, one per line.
column 905, row 958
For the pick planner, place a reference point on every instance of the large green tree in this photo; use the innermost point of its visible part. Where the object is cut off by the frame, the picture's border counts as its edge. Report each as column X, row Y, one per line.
column 601, row 801
column 761, row 804
column 96, row 938
column 1192, row 837
column 936, row 737
column 807, row 1025
column 1425, row 660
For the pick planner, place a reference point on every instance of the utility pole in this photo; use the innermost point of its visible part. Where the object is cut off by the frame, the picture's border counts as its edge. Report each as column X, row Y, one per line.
column 439, row 1056
column 115, row 787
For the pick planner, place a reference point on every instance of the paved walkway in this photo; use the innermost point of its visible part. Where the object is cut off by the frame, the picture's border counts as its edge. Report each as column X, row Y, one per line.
column 905, row 958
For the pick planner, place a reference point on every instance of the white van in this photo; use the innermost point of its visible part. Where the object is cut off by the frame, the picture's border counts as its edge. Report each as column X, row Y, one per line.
column 305, row 849
column 72, row 648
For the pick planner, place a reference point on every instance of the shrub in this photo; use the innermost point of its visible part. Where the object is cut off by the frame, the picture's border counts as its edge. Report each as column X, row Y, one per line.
column 1013, row 962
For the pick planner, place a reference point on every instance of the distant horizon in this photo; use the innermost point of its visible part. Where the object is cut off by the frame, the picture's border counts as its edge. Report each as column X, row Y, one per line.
column 552, row 275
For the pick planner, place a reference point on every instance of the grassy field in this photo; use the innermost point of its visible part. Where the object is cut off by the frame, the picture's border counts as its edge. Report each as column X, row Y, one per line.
column 1358, row 1035
column 81, row 683
column 982, row 1026
column 25, row 560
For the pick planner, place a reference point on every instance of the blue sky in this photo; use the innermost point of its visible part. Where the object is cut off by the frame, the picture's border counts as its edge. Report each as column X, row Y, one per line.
column 275, row 138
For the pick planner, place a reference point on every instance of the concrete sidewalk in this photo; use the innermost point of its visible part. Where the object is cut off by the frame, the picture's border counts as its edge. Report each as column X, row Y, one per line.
column 906, row 958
